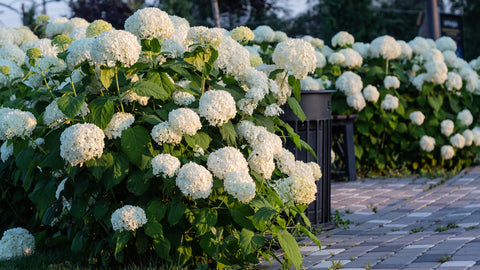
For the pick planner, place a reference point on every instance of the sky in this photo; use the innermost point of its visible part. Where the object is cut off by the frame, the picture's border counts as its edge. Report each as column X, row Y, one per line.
column 57, row 9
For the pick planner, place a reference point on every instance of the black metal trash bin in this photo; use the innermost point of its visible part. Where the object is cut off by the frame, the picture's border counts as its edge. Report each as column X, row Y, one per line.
column 316, row 130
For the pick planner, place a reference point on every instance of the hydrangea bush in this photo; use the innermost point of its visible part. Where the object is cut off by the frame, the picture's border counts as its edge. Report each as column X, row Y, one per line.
column 415, row 101
column 158, row 140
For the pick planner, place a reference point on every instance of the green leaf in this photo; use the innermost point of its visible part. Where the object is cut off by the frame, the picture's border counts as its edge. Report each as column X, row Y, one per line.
column 117, row 172
column 266, row 122
column 154, row 229
column 122, row 238
column 296, row 87
column 101, row 111
column 229, row 135
column 262, row 217
column 204, row 220
column 161, row 79
column 98, row 166
column 70, row 106
column 400, row 109
column 435, row 103
column 208, row 245
column 149, row 89
column 311, row 236
column 78, row 242
column 24, row 159
column 358, row 151
column 290, row 246
column 184, row 254
column 134, row 141
column 454, row 104
column 176, row 211
column 43, row 195
column 402, row 128
column 369, row 112
column 162, row 247
column 306, row 146
column 242, row 215
column 100, row 209
column 141, row 242
column 106, row 76
column 156, row 211
column 249, row 242
column 202, row 139
column 296, row 109
column 363, row 128
column 137, row 183
column 79, row 207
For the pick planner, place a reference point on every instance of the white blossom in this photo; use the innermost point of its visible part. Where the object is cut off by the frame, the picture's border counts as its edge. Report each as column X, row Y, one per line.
column 417, row 118
column 465, row 117
column 342, row 39
column 385, row 47
column 356, row 101
column 447, row 127
column 427, row 143
column 468, row 135
column 119, row 122
column 217, row 106
column 225, row 160
column 352, row 58
column 195, row 181
column 148, row 23
column 370, row 93
column 446, row 43
column 349, row 83
column 115, row 46
column 165, row 164
column 184, row 121
column 16, row 242
column 162, row 133
column 391, row 82
column 81, row 142
column 240, row 185
column 389, row 102
column 296, row 56
column 447, row 151
column 457, row 141
column 128, row 218
column 16, row 123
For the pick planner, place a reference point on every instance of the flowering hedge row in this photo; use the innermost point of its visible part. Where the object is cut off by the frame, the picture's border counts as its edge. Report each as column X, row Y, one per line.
column 415, row 101
column 158, row 140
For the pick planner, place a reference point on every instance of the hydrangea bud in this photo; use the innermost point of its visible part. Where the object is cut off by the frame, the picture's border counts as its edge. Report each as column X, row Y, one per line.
column 98, row 27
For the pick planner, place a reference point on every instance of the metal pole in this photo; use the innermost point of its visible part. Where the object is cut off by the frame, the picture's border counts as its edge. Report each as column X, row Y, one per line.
column 433, row 21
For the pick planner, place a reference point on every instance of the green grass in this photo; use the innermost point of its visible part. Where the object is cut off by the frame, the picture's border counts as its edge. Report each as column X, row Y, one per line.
column 416, row 230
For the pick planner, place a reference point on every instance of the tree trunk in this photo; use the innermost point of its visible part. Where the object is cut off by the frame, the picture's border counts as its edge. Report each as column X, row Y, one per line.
column 216, row 13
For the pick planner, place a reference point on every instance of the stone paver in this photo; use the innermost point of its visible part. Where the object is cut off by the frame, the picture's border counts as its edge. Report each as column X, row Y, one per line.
column 402, row 223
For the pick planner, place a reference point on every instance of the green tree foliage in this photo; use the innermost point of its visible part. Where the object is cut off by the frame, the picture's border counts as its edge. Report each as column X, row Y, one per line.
column 112, row 11
column 471, row 24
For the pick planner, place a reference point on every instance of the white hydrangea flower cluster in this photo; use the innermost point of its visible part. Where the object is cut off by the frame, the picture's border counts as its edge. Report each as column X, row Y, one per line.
column 15, row 72
column 163, row 133
column 184, row 121
column 16, row 242
column 417, row 118
column 356, row 101
column 129, row 97
column 427, row 143
column 296, row 188
column 285, row 161
column 470, row 78
column 6, row 151
column 113, row 46
column 240, row 185
column 232, row 58
column 9, row 36
column 446, row 44
column 166, row 165
column 78, row 33
column 352, row 58
column 310, row 83
column 12, row 53
column 447, row 152
column 321, row 60
column 273, row 110
column 465, row 117
column 349, row 83
column 217, row 106
column 53, row 116
column 78, row 52
column 120, row 122
column 419, row 45
column 16, row 123
column 56, row 27
column 202, row 36
column 454, row 81
column 436, row 71
column 172, row 49
column 128, row 218
column 457, row 141
column 81, row 142
column 406, row 50
column 451, row 59
column 433, row 54
column 391, row 82
column 181, row 27
column 418, row 81
column 148, row 23
column 476, row 136
column 389, row 102
column 226, row 160
column 336, row 58
column 468, row 136
column 263, row 33
column 385, row 47
column 296, row 56
column 242, row 34
column 342, row 39
column 370, row 93
column 446, row 127
column 75, row 23
column 44, row 45
column 280, row 36
column 194, row 180
column 361, row 48
column 182, row 98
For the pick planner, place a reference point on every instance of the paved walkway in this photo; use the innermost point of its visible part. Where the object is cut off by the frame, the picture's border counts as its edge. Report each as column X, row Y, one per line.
column 405, row 223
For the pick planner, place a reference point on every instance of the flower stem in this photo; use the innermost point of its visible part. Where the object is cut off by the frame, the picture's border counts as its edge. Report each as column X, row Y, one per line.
column 118, row 88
